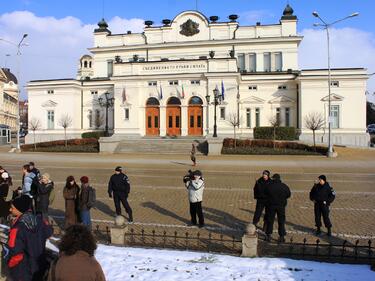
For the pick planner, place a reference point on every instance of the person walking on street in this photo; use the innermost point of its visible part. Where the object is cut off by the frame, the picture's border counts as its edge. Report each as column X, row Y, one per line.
column 322, row 194
column 119, row 189
column 194, row 183
column 260, row 188
column 192, row 154
column 45, row 194
column 71, row 195
column 277, row 194
column 86, row 201
column 76, row 261
column 25, row 250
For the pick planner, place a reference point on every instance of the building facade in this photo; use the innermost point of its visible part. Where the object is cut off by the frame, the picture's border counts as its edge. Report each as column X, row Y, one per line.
column 8, row 98
column 161, row 79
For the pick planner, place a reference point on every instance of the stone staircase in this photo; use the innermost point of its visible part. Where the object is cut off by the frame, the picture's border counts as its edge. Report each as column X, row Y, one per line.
column 162, row 145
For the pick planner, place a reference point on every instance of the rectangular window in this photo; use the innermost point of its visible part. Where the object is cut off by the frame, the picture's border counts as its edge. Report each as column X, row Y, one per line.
column 335, row 84
column 253, row 62
column 278, row 116
column 248, row 117
column 94, row 92
column 267, row 62
column 195, row 82
column 149, row 122
column 156, row 121
column 126, row 113
column 282, row 87
column 177, row 121
column 241, row 62
column 253, row 87
column 222, row 113
column 199, row 121
column 50, row 119
column 257, row 117
column 50, row 92
column 173, row 82
column 278, row 62
column 170, row 121
column 191, row 121
column 152, row 83
column 287, row 116
column 110, row 68
column 335, row 116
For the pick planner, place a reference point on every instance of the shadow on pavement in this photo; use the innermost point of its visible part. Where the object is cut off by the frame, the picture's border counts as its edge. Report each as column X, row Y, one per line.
column 165, row 212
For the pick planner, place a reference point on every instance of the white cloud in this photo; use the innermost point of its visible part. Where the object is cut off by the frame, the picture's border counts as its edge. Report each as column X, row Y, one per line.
column 349, row 48
column 55, row 45
column 253, row 16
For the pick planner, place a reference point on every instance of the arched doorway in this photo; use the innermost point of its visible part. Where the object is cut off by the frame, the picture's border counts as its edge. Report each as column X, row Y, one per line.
column 152, row 117
column 174, row 117
column 195, row 115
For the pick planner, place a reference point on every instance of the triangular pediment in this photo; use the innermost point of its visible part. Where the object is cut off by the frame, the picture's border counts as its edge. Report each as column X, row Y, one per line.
column 334, row 97
column 282, row 99
column 252, row 100
column 49, row 103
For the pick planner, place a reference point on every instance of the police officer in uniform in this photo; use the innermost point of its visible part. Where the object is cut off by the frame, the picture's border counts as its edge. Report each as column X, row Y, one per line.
column 260, row 195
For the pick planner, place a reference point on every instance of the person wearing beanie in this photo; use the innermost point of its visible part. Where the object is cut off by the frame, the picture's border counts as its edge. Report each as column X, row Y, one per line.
column 195, row 187
column 260, row 196
column 25, row 250
column 86, row 201
column 322, row 194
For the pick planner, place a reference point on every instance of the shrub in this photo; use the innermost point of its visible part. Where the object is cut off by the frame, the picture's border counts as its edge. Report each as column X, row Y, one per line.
column 47, row 146
column 96, row 135
column 282, row 133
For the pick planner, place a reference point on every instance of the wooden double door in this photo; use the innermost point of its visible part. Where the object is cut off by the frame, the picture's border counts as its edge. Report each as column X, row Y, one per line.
column 195, row 115
column 152, row 121
column 173, row 121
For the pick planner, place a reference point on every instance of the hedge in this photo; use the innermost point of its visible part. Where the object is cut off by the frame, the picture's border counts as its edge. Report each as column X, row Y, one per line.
column 96, row 135
column 91, row 142
column 281, row 133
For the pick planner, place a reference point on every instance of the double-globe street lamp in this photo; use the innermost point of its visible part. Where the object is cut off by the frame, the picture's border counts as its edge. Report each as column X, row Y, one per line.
column 326, row 26
column 217, row 100
column 107, row 103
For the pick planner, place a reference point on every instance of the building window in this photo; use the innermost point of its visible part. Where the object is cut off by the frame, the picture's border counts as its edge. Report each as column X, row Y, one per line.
column 278, row 115
column 152, row 83
column 241, row 62
column 173, row 83
column 50, row 119
column 50, row 92
column 335, row 84
column 287, row 116
column 278, row 62
column 335, row 116
column 94, row 93
column 90, row 117
column 257, row 117
column 253, row 62
column 195, row 82
column 85, row 64
column 282, row 87
column 110, row 68
column 222, row 113
column 126, row 113
column 253, row 87
column 248, row 117
column 267, row 62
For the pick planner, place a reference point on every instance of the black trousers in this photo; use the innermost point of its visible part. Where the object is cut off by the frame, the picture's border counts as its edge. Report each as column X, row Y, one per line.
column 280, row 212
column 123, row 198
column 260, row 206
column 196, row 209
column 322, row 210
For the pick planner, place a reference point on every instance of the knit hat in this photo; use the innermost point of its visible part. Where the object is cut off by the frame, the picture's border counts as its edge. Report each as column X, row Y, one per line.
column 84, row 179
column 266, row 172
column 22, row 203
column 322, row 177
column 5, row 175
column 118, row 169
column 276, row 177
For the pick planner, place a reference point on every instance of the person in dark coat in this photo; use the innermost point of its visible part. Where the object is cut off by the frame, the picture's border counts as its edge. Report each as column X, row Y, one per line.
column 34, row 170
column 5, row 182
column 322, row 194
column 86, row 201
column 71, row 196
column 25, row 250
column 260, row 188
column 277, row 194
column 119, row 189
column 45, row 188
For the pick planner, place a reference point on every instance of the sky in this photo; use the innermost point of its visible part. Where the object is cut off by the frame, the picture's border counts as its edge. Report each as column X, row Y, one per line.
column 59, row 32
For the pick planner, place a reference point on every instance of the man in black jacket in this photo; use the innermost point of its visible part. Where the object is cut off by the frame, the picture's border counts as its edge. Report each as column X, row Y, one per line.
column 260, row 195
column 277, row 194
column 322, row 194
column 119, row 187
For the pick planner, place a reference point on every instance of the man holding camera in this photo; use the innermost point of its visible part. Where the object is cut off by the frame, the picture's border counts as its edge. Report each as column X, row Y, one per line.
column 195, row 185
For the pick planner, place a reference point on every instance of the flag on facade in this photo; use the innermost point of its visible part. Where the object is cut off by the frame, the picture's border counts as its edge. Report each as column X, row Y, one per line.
column 222, row 89
column 123, row 95
column 161, row 93
column 183, row 92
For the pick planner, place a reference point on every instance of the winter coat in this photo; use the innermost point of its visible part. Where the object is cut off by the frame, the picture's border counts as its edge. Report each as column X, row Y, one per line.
column 28, row 180
column 71, row 196
column 119, row 183
column 4, row 205
column 77, row 267
column 260, row 188
column 86, row 197
column 322, row 193
column 26, row 244
column 195, row 190
column 277, row 194
column 43, row 197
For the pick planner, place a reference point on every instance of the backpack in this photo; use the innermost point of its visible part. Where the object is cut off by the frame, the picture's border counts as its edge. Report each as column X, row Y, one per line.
column 92, row 198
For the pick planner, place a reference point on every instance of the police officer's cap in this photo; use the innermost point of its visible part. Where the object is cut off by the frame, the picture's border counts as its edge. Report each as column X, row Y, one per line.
column 118, row 169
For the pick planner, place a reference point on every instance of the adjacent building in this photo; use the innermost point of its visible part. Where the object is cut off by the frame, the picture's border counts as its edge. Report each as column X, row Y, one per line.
column 8, row 98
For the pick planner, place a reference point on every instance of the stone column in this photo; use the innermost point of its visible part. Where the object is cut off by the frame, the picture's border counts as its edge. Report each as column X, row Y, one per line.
column 163, row 121
column 250, row 242
column 184, row 120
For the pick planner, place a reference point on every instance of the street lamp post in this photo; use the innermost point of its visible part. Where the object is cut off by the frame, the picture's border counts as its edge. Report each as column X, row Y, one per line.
column 326, row 26
column 208, row 98
column 217, row 99
column 107, row 103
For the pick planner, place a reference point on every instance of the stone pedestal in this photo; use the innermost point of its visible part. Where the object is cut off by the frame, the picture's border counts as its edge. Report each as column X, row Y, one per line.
column 118, row 235
column 250, row 242
column 215, row 145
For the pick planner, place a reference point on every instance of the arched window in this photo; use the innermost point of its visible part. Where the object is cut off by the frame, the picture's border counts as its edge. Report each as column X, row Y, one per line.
column 152, row 102
column 195, row 101
column 174, row 101
column 85, row 64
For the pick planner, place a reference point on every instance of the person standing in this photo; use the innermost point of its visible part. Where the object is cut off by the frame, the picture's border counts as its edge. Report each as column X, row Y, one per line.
column 322, row 194
column 44, row 192
column 260, row 188
column 5, row 182
column 71, row 196
column 34, row 170
column 195, row 186
column 25, row 250
column 86, row 201
column 29, row 179
column 193, row 154
column 277, row 196
column 119, row 189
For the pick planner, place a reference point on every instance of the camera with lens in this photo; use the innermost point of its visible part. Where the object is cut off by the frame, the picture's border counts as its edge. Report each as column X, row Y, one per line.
column 188, row 177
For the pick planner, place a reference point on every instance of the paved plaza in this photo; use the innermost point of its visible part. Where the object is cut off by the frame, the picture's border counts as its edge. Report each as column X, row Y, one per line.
column 159, row 198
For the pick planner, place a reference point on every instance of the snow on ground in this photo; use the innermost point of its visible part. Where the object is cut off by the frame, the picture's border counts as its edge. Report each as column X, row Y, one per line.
column 122, row 264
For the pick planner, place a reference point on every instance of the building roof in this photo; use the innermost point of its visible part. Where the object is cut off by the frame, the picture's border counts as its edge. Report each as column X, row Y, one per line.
column 9, row 76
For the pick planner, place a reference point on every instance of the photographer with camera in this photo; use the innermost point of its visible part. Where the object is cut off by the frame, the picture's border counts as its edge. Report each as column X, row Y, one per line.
column 194, row 183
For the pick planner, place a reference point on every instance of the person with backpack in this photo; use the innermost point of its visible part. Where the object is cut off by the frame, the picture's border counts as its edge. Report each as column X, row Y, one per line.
column 86, row 201
column 45, row 195
column 322, row 194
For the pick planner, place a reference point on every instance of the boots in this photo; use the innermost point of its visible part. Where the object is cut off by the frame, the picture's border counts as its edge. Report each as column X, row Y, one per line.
column 281, row 239
column 268, row 237
column 318, row 231
column 329, row 232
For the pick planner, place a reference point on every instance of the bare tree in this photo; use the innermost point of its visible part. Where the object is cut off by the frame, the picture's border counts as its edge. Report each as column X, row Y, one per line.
column 65, row 122
column 314, row 121
column 99, row 119
column 34, row 125
column 235, row 121
column 275, row 122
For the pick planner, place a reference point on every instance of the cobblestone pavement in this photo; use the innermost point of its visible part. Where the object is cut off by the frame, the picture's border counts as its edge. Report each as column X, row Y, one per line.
column 159, row 199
